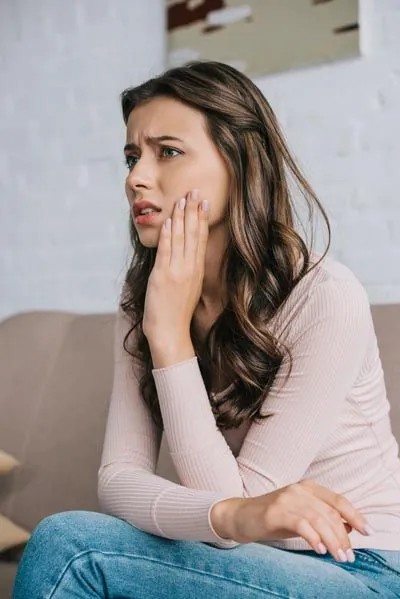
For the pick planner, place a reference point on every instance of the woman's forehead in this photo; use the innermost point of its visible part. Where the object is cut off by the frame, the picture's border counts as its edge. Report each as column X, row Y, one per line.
column 162, row 117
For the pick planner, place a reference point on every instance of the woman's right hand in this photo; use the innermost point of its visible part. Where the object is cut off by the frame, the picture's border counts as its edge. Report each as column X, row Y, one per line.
column 303, row 509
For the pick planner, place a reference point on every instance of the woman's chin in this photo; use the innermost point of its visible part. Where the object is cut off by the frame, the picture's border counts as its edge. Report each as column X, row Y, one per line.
column 149, row 238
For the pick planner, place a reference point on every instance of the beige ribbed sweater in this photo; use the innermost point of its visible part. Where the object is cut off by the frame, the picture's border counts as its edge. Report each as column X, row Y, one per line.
column 330, row 423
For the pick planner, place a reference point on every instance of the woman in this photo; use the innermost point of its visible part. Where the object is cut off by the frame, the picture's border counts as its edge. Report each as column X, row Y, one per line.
column 258, row 359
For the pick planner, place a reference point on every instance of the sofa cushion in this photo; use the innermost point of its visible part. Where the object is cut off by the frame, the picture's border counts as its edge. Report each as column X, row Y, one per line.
column 56, row 375
column 7, row 576
column 387, row 327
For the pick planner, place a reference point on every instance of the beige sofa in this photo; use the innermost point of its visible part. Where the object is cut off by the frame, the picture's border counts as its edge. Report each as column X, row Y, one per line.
column 55, row 382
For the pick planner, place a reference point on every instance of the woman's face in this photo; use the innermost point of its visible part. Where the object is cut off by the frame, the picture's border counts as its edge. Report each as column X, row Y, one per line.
column 169, row 152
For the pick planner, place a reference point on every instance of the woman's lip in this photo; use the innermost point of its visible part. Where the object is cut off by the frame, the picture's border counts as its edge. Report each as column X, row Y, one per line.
column 147, row 219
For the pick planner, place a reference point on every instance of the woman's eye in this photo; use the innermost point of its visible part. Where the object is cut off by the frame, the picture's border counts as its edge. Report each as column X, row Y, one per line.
column 167, row 152
column 130, row 161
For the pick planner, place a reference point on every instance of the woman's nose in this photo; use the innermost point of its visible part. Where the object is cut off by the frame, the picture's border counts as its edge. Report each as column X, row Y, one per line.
column 141, row 176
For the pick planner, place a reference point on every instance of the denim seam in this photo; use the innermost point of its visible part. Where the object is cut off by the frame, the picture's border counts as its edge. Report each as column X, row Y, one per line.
column 111, row 553
column 374, row 560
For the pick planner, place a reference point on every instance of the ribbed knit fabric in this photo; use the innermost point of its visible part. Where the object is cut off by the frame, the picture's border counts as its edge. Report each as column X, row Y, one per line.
column 330, row 423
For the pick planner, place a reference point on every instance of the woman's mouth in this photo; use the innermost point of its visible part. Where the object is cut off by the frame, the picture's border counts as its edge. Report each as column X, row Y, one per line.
column 148, row 218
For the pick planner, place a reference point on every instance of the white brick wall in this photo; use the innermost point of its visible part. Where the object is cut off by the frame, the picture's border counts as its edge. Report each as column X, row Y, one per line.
column 63, row 213
column 342, row 121
column 64, row 240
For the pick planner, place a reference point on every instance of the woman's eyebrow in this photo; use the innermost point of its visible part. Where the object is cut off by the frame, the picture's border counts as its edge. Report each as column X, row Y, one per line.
column 153, row 140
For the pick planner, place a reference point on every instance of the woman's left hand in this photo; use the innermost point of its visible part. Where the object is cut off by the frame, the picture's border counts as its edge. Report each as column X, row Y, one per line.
column 175, row 282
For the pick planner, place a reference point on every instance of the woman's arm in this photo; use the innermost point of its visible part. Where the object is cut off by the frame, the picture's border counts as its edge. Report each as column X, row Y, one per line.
column 127, row 485
column 328, row 342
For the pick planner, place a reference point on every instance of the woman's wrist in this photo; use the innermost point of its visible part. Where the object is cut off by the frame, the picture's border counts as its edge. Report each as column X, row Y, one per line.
column 167, row 352
column 223, row 517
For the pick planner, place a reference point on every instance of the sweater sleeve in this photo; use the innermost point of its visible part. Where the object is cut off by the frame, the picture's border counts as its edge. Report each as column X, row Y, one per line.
column 329, row 346
column 327, row 339
column 127, row 484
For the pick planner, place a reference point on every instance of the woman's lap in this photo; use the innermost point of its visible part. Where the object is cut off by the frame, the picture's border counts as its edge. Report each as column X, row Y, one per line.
column 92, row 555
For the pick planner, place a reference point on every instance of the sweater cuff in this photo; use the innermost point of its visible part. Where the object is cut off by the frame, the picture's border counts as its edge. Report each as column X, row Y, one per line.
column 159, row 371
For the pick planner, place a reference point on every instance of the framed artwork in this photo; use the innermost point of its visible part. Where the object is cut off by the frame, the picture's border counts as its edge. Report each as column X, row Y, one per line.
column 262, row 36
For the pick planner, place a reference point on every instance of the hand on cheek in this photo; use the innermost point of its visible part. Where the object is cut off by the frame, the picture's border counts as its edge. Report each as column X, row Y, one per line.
column 175, row 282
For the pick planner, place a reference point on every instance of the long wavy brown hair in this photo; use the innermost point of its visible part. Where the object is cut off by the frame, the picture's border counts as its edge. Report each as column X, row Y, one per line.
column 261, row 260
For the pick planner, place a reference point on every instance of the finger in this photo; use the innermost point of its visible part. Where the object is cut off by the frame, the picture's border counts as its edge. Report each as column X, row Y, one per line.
column 192, row 226
column 334, row 518
column 319, row 536
column 349, row 513
column 348, row 527
column 163, row 255
column 338, row 528
column 329, row 525
column 333, row 536
column 343, row 506
column 178, row 236
column 308, row 533
column 203, row 233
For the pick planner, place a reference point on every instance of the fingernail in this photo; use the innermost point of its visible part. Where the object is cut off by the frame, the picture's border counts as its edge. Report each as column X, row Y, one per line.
column 182, row 203
column 342, row 555
column 205, row 205
column 350, row 555
column 321, row 548
column 368, row 529
column 194, row 194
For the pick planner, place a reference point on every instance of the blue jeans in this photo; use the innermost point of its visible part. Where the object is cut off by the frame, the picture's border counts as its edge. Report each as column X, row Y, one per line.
column 78, row 554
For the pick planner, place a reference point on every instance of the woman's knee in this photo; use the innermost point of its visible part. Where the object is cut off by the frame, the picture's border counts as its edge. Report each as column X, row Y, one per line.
column 77, row 528
column 63, row 523
column 55, row 543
